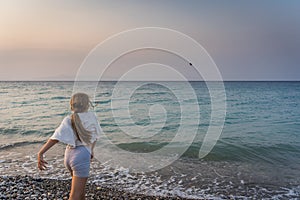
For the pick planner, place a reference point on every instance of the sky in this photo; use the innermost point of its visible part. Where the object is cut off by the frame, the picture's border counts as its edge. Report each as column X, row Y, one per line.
column 248, row 40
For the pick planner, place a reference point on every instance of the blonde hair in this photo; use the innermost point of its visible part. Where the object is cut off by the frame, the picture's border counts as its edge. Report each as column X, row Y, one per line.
column 80, row 103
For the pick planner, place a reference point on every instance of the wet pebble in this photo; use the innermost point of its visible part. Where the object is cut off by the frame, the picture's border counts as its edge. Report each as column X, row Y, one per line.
column 26, row 187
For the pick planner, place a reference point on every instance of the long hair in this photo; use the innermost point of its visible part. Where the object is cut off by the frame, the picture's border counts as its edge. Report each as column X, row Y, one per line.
column 80, row 103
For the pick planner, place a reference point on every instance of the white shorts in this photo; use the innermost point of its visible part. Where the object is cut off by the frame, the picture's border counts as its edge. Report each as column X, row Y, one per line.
column 77, row 161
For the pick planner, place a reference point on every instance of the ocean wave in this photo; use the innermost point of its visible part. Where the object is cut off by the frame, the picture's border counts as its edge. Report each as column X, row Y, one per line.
column 21, row 132
column 18, row 144
column 277, row 154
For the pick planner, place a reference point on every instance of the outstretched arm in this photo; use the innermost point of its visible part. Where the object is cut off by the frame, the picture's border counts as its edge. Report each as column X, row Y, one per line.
column 41, row 162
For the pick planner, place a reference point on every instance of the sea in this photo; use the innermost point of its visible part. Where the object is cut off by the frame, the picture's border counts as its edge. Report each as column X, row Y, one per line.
column 254, row 155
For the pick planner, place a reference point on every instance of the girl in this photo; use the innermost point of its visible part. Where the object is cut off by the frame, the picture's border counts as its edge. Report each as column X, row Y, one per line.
column 80, row 132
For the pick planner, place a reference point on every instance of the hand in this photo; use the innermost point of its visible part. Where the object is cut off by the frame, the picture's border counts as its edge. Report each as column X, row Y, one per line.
column 41, row 162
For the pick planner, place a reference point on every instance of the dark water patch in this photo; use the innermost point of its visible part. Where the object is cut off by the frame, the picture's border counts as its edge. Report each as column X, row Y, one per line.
column 148, row 101
column 190, row 101
column 237, row 153
column 30, row 132
column 63, row 114
column 150, row 93
column 43, row 92
column 143, row 122
column 46, row 133
column 141, row 147
column 171, row 127
column 102, row 102
column 277, row 154
column 44, row 116
column 105, row 94
column 109, row 125
column 60, row 98
column 8, row 131
column 22, row 133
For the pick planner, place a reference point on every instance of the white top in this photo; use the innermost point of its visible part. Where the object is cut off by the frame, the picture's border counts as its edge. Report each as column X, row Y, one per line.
column 65, row 134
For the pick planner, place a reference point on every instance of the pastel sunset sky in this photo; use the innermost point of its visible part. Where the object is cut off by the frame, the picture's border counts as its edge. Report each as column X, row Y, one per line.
column 248, row 40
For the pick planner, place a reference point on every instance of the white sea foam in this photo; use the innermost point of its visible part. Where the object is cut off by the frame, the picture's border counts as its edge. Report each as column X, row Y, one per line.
column 158, row 183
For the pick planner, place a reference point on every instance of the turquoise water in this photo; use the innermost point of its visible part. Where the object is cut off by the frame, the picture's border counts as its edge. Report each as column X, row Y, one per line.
column 260, row 141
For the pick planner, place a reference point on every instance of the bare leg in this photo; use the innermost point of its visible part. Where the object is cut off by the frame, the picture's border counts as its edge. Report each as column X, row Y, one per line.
column 78, row 188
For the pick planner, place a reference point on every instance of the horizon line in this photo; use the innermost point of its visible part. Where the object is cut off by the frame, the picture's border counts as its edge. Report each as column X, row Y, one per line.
column 261, row 80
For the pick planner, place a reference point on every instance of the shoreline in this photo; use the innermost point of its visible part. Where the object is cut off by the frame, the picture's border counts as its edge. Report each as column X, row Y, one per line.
column 181, row 180
column 27, row 187
column 24, row 187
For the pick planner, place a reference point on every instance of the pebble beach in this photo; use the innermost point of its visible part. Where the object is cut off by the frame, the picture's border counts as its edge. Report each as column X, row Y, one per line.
column 26, row 187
